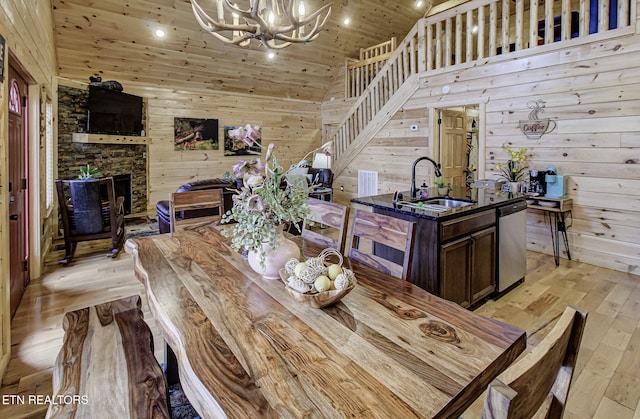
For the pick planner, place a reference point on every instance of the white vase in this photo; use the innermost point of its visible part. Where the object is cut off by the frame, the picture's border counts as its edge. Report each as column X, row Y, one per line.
column 443, row 191
column 274, row 259
column 514, row 187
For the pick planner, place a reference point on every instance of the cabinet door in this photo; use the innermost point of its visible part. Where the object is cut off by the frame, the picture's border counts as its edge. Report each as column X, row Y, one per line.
column 455, row 269
column 483, row 266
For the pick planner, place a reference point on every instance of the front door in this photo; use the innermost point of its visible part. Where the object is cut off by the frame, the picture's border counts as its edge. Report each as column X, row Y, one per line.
column 18, row 203
column 453, row 149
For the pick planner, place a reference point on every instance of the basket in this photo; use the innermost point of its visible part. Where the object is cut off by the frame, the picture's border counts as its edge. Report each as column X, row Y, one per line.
column 306, row 293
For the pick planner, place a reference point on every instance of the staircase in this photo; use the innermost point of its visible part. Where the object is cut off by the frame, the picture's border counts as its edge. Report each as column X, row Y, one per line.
column 464, row 36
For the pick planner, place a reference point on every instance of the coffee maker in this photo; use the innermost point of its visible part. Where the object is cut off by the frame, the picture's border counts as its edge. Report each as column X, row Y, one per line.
column 555, row 184
column 537, row 182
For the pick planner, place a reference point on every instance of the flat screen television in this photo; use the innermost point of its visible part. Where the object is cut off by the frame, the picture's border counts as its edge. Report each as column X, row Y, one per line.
column 113, row 112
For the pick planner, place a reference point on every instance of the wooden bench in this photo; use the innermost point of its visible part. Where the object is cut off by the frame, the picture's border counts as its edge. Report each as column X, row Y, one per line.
column 106, row 366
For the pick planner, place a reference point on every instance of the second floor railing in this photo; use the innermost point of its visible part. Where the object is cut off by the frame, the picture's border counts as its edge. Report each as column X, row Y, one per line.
column 370, row 61
column 476, row 30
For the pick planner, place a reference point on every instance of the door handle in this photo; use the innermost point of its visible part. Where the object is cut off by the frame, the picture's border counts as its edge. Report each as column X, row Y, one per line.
column 13, row 217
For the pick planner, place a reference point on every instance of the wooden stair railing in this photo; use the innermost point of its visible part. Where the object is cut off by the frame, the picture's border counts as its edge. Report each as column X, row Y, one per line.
column 461, row 36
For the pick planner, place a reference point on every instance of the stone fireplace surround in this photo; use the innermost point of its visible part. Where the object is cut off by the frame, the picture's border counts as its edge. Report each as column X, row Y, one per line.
column 110, row 159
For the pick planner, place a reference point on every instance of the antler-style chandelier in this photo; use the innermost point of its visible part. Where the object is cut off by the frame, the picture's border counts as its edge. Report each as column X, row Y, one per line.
column 275, row 23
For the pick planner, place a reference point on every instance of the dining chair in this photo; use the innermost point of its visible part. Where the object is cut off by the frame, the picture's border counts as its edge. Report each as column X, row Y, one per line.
column 382, row 242
column 329, row 224
column 538, row 384
column 210, row 200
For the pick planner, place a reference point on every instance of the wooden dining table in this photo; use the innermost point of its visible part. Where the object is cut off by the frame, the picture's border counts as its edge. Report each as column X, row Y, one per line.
column 246, row 348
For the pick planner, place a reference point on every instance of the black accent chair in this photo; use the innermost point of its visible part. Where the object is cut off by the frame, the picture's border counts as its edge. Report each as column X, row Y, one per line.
column 323, row 181
column 164, row 213
column 98, row 216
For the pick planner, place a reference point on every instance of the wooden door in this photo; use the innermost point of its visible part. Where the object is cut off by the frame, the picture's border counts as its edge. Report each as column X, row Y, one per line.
column 453, row 148
column 18, row 197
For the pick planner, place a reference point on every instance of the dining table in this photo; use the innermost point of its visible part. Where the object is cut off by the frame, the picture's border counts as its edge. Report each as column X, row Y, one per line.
column 246, row 348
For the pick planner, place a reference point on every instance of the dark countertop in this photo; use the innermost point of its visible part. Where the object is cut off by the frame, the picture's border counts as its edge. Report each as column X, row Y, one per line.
column 485, row 198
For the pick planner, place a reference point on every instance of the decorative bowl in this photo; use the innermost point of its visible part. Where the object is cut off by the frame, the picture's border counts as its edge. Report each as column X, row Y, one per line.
column 318, row 299
column 547, row 204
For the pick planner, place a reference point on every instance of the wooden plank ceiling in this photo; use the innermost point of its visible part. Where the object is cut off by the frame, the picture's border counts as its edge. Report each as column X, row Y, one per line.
column 114, row 39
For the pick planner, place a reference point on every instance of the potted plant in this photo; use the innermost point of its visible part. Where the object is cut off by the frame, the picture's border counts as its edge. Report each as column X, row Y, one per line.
column 85, row 198
column 514, row 169
column 261, row 208
column 443, row 189
column 88, row 172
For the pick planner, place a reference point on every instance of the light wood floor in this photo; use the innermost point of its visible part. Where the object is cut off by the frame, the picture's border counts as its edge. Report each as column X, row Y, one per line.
column 606, row 384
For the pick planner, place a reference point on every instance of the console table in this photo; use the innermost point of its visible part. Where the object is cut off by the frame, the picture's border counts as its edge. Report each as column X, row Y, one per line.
column 555, row 212
column 246, row 348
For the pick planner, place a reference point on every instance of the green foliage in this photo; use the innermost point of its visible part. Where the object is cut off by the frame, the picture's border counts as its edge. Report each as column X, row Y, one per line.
column 264, row 203
column 439, row 182
column 514, row 169
column 88, row 172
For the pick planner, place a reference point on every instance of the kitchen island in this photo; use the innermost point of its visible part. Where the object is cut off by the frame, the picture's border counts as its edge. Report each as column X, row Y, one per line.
column 455, row 251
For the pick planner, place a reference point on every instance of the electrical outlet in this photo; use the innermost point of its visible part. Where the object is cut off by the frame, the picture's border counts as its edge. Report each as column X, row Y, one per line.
column 341, row 188
column 414, row 127
column 144, row 154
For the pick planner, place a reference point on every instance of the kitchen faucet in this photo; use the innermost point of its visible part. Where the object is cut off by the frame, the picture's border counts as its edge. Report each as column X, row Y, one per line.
column 413, row 173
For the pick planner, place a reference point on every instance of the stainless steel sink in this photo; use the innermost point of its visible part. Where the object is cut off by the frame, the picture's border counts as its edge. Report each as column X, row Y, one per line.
column 448, row 202
column 422, row 206
column 438, row 205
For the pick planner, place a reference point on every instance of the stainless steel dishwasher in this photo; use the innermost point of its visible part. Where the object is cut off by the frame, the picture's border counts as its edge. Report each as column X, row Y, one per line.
column 512, row 244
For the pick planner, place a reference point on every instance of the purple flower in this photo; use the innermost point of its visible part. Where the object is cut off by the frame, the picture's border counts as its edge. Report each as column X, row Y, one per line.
column 239, row 168
column 252, row 134
column 269, row 151
column 247, row 166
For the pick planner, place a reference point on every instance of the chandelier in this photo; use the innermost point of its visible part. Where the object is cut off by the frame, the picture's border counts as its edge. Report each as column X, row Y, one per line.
column 272, row 22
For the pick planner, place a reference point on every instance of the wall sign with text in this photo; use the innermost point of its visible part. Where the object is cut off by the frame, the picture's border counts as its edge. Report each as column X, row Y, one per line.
column 535, row 127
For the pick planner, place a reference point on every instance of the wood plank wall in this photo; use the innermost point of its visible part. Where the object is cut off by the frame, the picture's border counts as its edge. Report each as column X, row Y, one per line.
column 294, row 127
column 26, row 27
column 591, row 90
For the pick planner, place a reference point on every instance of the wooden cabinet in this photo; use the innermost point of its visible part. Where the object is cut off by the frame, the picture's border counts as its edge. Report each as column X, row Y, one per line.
column 455, row 266
column 454, row 259
column 483, row 266
column 468, row 258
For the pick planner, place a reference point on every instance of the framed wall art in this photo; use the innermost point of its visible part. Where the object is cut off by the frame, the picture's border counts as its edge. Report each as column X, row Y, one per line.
column 247, row 140
column 1, row 58
column 195, row 134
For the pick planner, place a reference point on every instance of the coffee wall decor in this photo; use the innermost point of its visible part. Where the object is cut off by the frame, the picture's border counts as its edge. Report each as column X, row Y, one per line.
column 535, row 127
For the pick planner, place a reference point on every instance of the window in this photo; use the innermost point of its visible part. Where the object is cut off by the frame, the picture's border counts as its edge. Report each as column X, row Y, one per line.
column 14, row 98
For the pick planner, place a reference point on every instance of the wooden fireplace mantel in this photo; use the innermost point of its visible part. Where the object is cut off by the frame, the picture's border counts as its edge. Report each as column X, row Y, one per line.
column 108, row 139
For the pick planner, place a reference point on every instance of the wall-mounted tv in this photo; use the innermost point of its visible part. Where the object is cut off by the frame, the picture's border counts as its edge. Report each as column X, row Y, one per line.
column 113, row 112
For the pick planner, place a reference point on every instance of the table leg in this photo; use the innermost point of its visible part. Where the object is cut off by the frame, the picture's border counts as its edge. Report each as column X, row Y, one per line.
column 562, row 227
column 171, row 364
column 551, row 219
column 558, row 226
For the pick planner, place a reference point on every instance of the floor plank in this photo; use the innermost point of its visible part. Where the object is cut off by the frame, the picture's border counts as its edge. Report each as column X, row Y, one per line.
column 606, row 383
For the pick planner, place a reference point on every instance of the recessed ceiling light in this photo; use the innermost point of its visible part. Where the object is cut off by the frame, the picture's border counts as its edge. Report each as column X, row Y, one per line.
column 271, row 55
column 346, row 21
column 160, row 33
column 419, row 4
